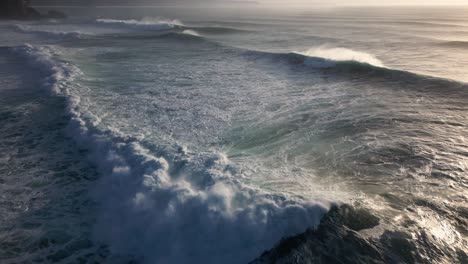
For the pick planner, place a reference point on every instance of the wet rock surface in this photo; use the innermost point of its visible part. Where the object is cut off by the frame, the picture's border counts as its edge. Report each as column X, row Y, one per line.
column 338, row 239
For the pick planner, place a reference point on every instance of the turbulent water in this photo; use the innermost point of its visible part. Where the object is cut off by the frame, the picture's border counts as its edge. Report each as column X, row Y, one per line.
column 194, row 136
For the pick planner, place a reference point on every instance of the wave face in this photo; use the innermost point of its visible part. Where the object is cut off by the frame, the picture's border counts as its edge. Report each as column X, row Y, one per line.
column 171, row 206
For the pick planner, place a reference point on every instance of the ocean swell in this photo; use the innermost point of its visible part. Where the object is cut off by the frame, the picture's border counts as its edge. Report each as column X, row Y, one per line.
column 166, row 204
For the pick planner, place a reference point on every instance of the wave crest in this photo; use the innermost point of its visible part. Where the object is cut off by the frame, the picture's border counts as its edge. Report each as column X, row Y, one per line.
column 145, row 23
column 48, row 33
column 339, row 55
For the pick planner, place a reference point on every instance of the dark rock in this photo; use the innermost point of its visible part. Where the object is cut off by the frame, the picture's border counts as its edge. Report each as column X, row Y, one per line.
column 337, row 240
column 334, row 241
column 356, row 219
column 400, row 243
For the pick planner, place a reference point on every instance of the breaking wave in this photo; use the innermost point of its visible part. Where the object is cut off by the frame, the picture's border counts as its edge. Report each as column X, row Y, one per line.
column 166, row 204
column 323, row 58
column 145, row 23
column 191, row 32
column 349, row 61
column 340, row 54
column 48, row 33
column 218, row 30
column 163, row 24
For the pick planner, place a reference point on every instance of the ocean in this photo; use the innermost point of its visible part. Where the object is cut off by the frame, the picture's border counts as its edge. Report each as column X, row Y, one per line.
column 175, row 135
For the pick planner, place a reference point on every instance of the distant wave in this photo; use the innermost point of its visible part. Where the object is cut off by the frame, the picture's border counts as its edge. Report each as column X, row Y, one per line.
column 162, row 24
column 183, row 35
column 217, row 30
column 145, row 23
column 170, row 205
column 418, row 23
column 48, row 33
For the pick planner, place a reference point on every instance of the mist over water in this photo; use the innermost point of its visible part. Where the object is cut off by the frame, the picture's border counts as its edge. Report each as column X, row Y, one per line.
column 207, row 136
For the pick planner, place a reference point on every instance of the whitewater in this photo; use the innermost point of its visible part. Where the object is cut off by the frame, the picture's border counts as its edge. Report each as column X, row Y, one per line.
column 202, row 139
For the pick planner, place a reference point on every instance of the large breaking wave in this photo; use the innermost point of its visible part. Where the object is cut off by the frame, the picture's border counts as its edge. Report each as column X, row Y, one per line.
column 162, row 204
column 350, row 62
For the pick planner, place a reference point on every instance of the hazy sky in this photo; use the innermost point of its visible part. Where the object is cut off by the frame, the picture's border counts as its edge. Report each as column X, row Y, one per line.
column 276, row 3
column 375, row 2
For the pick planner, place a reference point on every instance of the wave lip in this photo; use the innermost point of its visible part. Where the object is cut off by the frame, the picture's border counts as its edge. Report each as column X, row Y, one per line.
column 332, row 55
column 170, row 205
column 191, row 32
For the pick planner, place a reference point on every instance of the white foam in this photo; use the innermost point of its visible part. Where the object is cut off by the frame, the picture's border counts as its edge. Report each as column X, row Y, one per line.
column 168, row 205
column 339, row 54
